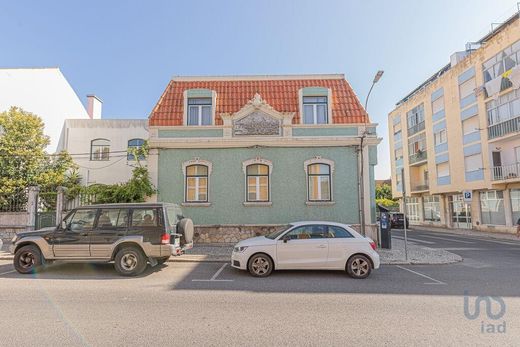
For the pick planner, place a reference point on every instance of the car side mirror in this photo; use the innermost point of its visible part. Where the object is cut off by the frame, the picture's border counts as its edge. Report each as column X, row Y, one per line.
column 64, row 225
column 286, row 238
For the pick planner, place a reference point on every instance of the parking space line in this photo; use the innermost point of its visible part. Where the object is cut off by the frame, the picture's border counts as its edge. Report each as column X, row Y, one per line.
column 446, row 239
column 422, row 275
column 8, row 272
column 214, row 277
column 414, row 240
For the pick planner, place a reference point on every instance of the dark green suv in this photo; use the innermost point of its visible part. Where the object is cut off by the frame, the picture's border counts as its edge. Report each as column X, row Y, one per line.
column 130, row 235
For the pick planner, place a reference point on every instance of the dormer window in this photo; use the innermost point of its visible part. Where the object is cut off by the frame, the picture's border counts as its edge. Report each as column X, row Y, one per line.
column 315, row 110
column 199, row 111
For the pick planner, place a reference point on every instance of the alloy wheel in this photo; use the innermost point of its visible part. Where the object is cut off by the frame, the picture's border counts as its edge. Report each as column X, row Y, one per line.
column 360, row 267
column 129, row 261
column 260, row 266
column 27, row 260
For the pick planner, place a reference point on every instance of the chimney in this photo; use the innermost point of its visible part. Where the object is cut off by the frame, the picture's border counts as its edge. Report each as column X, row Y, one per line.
column 94, row 105
column 457, row 57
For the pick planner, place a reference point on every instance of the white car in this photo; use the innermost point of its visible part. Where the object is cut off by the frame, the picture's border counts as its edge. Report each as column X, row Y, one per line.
column 309, row 246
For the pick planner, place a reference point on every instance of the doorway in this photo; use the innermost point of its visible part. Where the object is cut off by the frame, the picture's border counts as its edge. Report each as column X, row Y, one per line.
column 460, row 212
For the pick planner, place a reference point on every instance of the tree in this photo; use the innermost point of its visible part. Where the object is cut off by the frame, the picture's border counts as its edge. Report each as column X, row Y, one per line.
column 23, row 160
column 384, row 196
column 384, row 191
column 137, row 189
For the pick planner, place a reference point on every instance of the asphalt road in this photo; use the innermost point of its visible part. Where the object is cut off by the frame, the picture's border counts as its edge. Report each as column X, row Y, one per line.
column 212, row 304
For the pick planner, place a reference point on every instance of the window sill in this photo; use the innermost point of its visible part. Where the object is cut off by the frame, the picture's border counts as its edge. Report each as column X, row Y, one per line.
column 196, row 204
column 258, row 204
column 320, row 203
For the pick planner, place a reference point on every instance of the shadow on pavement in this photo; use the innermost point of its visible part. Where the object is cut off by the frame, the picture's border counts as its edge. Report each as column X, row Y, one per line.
column 75, row 271
column 452, row 279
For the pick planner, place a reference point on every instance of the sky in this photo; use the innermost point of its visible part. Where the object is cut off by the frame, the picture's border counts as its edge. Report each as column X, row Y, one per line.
column 125, row 52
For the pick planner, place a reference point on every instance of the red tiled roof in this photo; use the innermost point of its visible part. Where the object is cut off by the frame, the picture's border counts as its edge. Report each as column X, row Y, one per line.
column 281, row 94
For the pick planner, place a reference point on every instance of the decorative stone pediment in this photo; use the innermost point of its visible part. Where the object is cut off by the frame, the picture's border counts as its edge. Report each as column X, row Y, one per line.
column 257, row 118
column 257, row 123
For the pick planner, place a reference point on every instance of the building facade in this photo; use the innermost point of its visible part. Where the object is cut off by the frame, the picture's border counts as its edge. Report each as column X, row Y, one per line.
column 44, row 92
column 102, row 148
column 246, row 154
column 459, row 132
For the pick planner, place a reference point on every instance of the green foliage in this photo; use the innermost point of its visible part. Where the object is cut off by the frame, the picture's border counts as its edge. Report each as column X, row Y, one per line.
column 384, row 191
column 137, row 189
column 387, row 202
column 23, row 160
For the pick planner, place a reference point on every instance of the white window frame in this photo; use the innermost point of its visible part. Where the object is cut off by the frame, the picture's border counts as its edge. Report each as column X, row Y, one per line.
column 257, row 161
column 438, row 136
column 186, row 111
column 320, row 160
column 196, row 161
column 329, row 105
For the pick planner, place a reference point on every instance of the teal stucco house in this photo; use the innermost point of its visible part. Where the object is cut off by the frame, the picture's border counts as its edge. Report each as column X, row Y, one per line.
column 244, row 155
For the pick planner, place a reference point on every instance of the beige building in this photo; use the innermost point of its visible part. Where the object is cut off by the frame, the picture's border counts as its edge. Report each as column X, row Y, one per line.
column 456, row 138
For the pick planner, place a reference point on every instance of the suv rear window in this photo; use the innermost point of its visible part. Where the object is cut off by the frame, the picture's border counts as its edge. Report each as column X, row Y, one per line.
column 145, row 217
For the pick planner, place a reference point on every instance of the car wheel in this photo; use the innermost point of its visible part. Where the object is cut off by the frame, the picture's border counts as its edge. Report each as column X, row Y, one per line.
column 130, row 261
column 260, row 265
column 27, row 259
column 358, row 266
column 162, row 260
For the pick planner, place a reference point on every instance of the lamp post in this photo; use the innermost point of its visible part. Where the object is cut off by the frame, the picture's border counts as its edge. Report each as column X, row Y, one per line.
column 361, row 179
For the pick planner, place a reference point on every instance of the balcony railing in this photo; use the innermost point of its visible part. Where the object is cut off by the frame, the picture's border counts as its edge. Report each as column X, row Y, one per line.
column 420, row 187
column 504, row 128
column 505, row 172
column 415, row 129
column 417, row 157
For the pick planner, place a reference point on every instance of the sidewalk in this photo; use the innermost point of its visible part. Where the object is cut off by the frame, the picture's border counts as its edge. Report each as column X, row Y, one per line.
column 416, row 254
column 221, row 253
column 468, row 232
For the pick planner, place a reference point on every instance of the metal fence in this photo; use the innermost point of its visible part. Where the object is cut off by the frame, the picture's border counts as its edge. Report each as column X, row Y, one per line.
column 14, row 202
column 80, row 200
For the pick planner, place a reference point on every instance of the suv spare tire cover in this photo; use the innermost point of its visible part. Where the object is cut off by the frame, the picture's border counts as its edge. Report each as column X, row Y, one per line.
column 185, row 227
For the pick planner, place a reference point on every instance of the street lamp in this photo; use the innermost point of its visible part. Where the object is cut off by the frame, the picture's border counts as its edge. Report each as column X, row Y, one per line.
column 377, row 77
column 361, row 179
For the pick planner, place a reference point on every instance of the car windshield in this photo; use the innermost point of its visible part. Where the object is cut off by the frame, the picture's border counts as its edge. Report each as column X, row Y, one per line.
column 275, row 234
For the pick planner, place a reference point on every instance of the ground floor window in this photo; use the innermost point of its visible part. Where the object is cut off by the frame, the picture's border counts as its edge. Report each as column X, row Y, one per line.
column 432, row 208
column 515, row 204
column 196, row 183
column 412, row 209
column 257, row 183
column 492, row 207
column 318, row 176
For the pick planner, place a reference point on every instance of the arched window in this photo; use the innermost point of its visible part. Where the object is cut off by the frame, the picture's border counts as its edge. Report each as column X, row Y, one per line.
column 319, row 182
column 196, row 183
column 100, row 149
column 134, row 144
column 257, row 181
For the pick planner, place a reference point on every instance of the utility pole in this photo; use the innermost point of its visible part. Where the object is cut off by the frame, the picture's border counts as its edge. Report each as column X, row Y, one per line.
column 361, row 179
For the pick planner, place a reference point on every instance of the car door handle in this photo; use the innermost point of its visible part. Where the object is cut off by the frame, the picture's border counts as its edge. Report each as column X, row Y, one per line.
column 322, row 246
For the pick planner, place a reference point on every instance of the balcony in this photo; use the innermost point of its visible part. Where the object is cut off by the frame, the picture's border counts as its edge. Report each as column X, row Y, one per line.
column 415, row 129
column 418, row 157
column 506, row 172
column 504, row 128
column 420, row 187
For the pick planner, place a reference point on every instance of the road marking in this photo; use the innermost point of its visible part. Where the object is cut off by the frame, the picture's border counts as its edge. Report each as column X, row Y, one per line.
column 8, row 272
column 446, row 239
column 214, row 277
column 414, row 240
column 422, row 275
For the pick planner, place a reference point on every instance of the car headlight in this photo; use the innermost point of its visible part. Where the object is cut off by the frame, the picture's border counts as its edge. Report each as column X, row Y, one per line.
column 239, row 249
